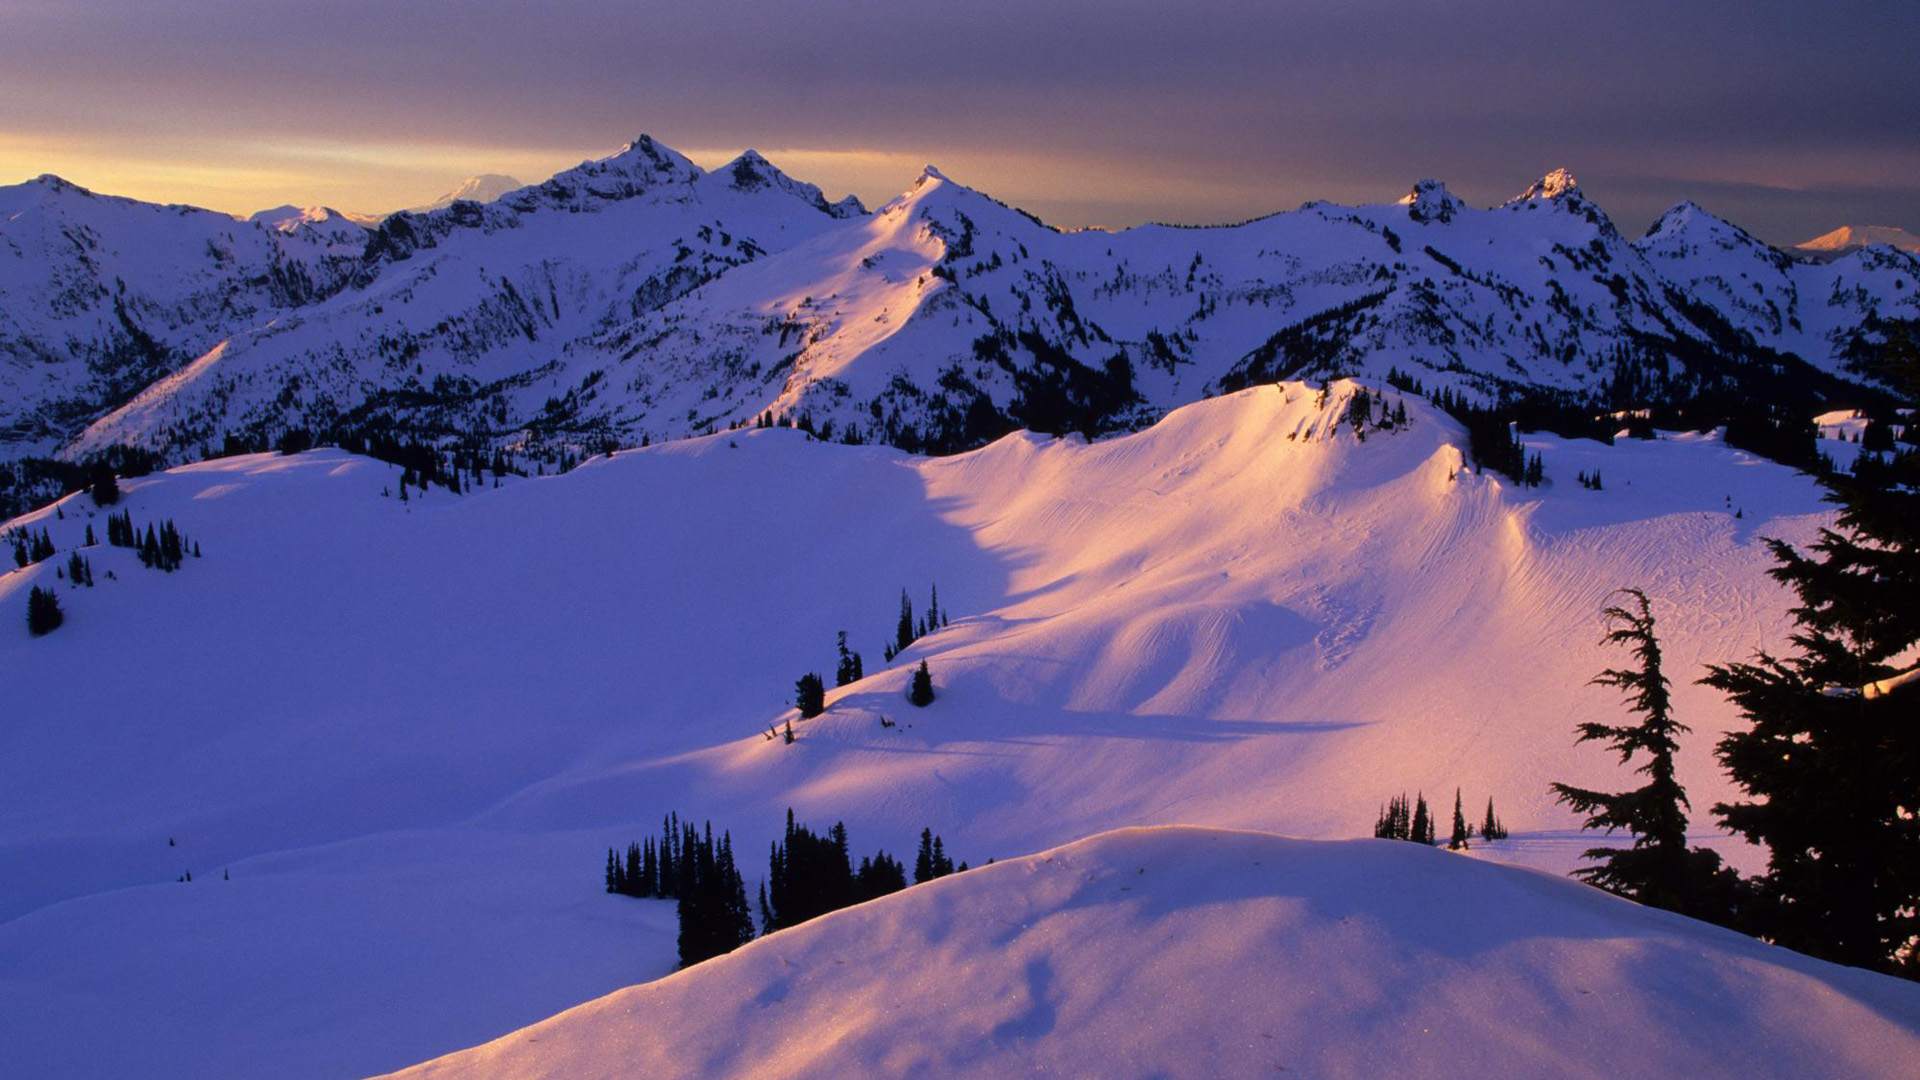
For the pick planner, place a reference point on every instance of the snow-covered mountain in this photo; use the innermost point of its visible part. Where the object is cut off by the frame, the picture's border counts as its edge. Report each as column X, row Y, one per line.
column 1852, row 237
column 410, row 729
column 640, row 296
column 1192, row 952
column 100, row 296
column 483, row 188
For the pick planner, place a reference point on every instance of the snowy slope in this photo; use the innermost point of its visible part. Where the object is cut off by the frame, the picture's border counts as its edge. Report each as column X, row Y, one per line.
column 1199, row 953
column 407, row 728
column 638, row 296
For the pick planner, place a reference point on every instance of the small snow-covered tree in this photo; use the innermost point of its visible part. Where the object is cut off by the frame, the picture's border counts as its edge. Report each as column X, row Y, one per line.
column 920, row 691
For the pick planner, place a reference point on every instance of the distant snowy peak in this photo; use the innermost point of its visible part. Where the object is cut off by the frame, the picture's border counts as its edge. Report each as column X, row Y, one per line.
column 753, row 172
column 1431, row 201
column 1557, row 184
column 291, row 219
column 1853, row 237
column 483, row 188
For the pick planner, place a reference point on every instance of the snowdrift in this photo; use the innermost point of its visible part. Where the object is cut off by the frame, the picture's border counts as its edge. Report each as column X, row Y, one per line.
column 1191, row 952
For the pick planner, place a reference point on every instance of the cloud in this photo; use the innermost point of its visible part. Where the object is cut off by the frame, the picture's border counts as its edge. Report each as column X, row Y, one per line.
column 1122, row 109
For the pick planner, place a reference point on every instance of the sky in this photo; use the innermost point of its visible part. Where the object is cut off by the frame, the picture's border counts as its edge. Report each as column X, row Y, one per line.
column 1788, row 118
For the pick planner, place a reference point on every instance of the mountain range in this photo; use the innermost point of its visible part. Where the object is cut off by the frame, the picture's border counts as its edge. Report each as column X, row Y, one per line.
column 640, row 297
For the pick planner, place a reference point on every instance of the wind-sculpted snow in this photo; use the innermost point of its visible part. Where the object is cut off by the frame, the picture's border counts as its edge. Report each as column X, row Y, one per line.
column 1200, row 953
column 410, row 730
column 639, row 296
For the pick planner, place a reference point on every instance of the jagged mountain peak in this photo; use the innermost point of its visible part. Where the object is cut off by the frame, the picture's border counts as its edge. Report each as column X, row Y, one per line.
column 1687, row 228
column 1555, row 185
column 1429, row 200
column 751, row 171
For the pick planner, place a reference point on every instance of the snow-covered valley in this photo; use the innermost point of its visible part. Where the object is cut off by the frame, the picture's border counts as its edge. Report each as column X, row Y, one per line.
column 392, row 740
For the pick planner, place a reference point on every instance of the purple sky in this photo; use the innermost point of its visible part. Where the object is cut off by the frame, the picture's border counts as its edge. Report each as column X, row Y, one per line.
column 1789, row 118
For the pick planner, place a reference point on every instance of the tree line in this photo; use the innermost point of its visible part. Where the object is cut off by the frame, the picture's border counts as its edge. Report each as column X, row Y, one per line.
column 808, row 875
column 1397, row 821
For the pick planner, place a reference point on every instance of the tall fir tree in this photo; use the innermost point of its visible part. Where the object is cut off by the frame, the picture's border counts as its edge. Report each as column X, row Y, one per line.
column 1491, row 828
column 903, row 633
column 1457, row 840
column 1658, row 869
column 1830, row 759
column 1421, row 831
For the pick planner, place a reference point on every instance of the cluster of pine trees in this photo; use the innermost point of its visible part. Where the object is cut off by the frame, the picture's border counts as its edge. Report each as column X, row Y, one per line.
column 808, row 875
column 160, row 549
column 80, row 570
column 1360, row 413
column 908, row 629
column 43, row 611
column 689, row 866
column 931, row 861
column 1591, row 480
column 29, row 548
column 1400, row 821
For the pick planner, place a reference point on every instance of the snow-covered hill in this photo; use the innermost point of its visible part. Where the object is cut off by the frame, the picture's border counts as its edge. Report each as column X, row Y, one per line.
column 640, row 296
column 1199, row 953
column 410, row 729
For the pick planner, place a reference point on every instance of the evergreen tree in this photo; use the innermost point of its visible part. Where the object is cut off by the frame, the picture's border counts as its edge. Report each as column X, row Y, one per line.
column 103, row 486
column 877, row 877
column 810, row 695
column 1830, row 759
column 1396, row 820
column 1658, row 869
column 1491, row 828
column 923, row 861
column 903, row 634
column 920, row 690
column 1421, row 831
column 43, row 612
column 1457, row 841
column 848, row 670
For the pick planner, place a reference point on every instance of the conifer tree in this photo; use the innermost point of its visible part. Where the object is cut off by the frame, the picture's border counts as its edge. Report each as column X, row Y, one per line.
column 848, row 670
column 810, row 695
column 1830, row 759
column 43, row 612
column 903, row 634
column 920, row 690
column 1422, row 828
column 1491, row 828
column 1657, row 869
column 103, row 486
column 1457, row 841
column 923, row 860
